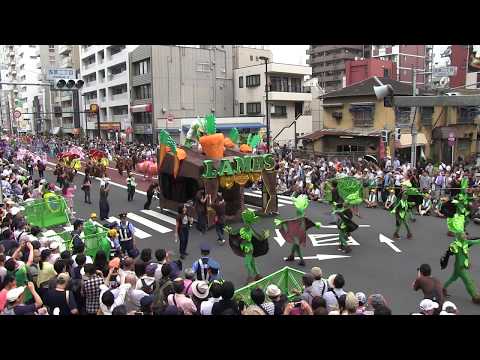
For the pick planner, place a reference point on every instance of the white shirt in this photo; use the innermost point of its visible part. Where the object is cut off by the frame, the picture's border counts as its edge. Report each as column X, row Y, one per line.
column 132, row 300
column 206, row 306
column 158, row 272
column 148, row 280
column 119, row 295
column 88, row 261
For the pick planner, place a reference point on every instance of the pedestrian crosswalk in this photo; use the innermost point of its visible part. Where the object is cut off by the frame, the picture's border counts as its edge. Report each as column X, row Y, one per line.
column 282, row 200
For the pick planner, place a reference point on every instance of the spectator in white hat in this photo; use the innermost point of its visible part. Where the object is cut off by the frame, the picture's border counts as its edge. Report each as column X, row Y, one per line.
column 428, row 307
column 279, row 300
column 16, row 297
column 55, row 252
column 336, row 283
column 319, row 286
column 449, row 308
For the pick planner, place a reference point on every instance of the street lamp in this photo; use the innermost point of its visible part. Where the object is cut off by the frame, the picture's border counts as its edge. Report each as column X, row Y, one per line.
column 264, row 58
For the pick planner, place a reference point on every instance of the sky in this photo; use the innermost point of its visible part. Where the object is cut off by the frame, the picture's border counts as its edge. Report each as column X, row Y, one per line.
column 295, row 54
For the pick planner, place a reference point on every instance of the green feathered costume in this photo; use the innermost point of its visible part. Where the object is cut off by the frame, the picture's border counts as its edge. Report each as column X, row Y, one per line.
column 460, row 248
column 403, row 214
column 294, row 230
column 345, row 224
column 248, row 243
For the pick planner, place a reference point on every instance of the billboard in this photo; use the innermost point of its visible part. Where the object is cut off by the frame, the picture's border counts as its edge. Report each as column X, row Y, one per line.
column 473, row 58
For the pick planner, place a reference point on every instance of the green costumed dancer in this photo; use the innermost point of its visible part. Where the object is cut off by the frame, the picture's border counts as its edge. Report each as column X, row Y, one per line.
column 402, row 211
column 344, row 220
column 463, row 201
column 294, row 230
column 248, row 243
column 460, row 248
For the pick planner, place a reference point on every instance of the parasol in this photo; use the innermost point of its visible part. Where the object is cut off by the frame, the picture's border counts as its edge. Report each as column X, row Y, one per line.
column 370, row 158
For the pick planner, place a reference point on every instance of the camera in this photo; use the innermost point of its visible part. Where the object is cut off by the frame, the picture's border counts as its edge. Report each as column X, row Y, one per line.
column 298, row 304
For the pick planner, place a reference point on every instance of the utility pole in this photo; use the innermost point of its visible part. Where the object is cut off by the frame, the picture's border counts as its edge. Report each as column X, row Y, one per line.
column 264, row 58
column 413, row 130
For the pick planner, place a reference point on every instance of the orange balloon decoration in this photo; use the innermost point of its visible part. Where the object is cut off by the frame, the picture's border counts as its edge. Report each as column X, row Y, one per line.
column 181, row 154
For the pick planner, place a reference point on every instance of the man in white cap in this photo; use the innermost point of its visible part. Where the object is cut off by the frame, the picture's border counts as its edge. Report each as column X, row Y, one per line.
column 428, row 307
column 54, row 248
column 449, row 308
column 16, row 297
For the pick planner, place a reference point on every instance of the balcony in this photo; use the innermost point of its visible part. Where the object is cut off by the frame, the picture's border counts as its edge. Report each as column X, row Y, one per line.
column 90, row 84
column 66, row 96
column 88, row 68
column 39, row 64
column 122, row 96
column 66, row 62
column 13, row 72
column 40, row 77
column 11, row 53
column 120, row 118
column 67, row 111
column 67, row 125
column 300, row 95
column 64, row 49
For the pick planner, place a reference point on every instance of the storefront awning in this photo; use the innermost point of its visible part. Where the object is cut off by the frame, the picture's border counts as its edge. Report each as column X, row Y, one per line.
column 406, row 140
column 141, row 108
column 185, row 128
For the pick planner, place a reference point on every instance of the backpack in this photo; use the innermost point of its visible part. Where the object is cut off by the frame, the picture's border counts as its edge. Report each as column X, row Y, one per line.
column 149, row 289
column 8, row 311
column 161, row 293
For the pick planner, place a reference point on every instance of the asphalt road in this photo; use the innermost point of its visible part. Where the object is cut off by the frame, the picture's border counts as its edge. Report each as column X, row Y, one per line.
column 371, row 267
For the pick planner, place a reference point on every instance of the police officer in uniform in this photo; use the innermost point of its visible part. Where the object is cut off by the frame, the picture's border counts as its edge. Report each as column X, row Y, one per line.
column 125, row 233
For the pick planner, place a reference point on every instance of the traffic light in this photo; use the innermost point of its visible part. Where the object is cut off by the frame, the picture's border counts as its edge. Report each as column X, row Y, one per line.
column 69, row 83
column 385, row 136
column 398, row 134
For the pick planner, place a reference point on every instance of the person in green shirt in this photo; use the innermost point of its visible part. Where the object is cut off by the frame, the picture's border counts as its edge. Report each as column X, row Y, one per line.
column 19, row 269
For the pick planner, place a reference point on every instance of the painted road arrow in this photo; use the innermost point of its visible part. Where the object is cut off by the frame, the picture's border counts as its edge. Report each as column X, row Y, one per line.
column 321, row 257
column 335, row 226
column 279, row 238
column 389, row 242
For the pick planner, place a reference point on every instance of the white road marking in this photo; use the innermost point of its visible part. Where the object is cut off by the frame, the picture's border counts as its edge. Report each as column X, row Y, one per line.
column 280, row 201
column 138, row 232
column 335, row 226
column 328, row 238
column 279, row 238
column 148, row 223
column 321, row 257
column 389, row 242
column 160, row 216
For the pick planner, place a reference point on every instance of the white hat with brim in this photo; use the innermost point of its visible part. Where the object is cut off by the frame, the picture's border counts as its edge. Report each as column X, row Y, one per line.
column 14, row 294
column 428, row 305
column 200, row 289
column 448, row 304
column 330, row 280
column 273, row 291
column 54, row 245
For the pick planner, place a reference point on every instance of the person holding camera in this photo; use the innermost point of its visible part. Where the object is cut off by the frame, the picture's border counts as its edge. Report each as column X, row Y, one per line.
column 184, row 223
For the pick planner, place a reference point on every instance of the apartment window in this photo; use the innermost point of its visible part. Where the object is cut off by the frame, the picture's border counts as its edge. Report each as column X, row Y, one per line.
column 467, row 114
column 242, row 108
column 254, row 108
column 251, row 57
column 362, row 115
column 427, row 115
column 32, row 46
column 141, row 67
column 51, row 46
column 117, row 90
column 240, row 82
column 116, row 49
column 253, row 80
column 203, row 67
column 143, row 92
column 402, row 116
column 386, row 73
column 279, row 111
column 296, row 85
column 120, row 110
column 350, row 148
column 142, row 118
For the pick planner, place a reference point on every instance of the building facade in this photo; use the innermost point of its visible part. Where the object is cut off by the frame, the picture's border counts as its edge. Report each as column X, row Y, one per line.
column 171, row 83
column 406, row 58
column 328, row 62
column 354, row 120
column 105, row 69
column 360, row 70
column 459, row 58
column 286, row 98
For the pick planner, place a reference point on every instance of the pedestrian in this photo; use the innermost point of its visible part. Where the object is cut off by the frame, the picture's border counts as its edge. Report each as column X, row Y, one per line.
column 200, row 267
column 180, row 300
column 320, row 285
column 131, row 185
column 16, row 301
column 201, row 210
column 59, row 300
column 258, row 297
column 226, row 306
column 215, row 296
column 219, row 207
column 41, row 169
column 150, row 193
column 87, row 183
column 184, row 222
column 103, row 203
column 92, row 281
column 278, row 299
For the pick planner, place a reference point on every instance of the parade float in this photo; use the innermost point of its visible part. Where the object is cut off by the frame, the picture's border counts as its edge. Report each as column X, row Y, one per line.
column 71, row 158
column 216, row 164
